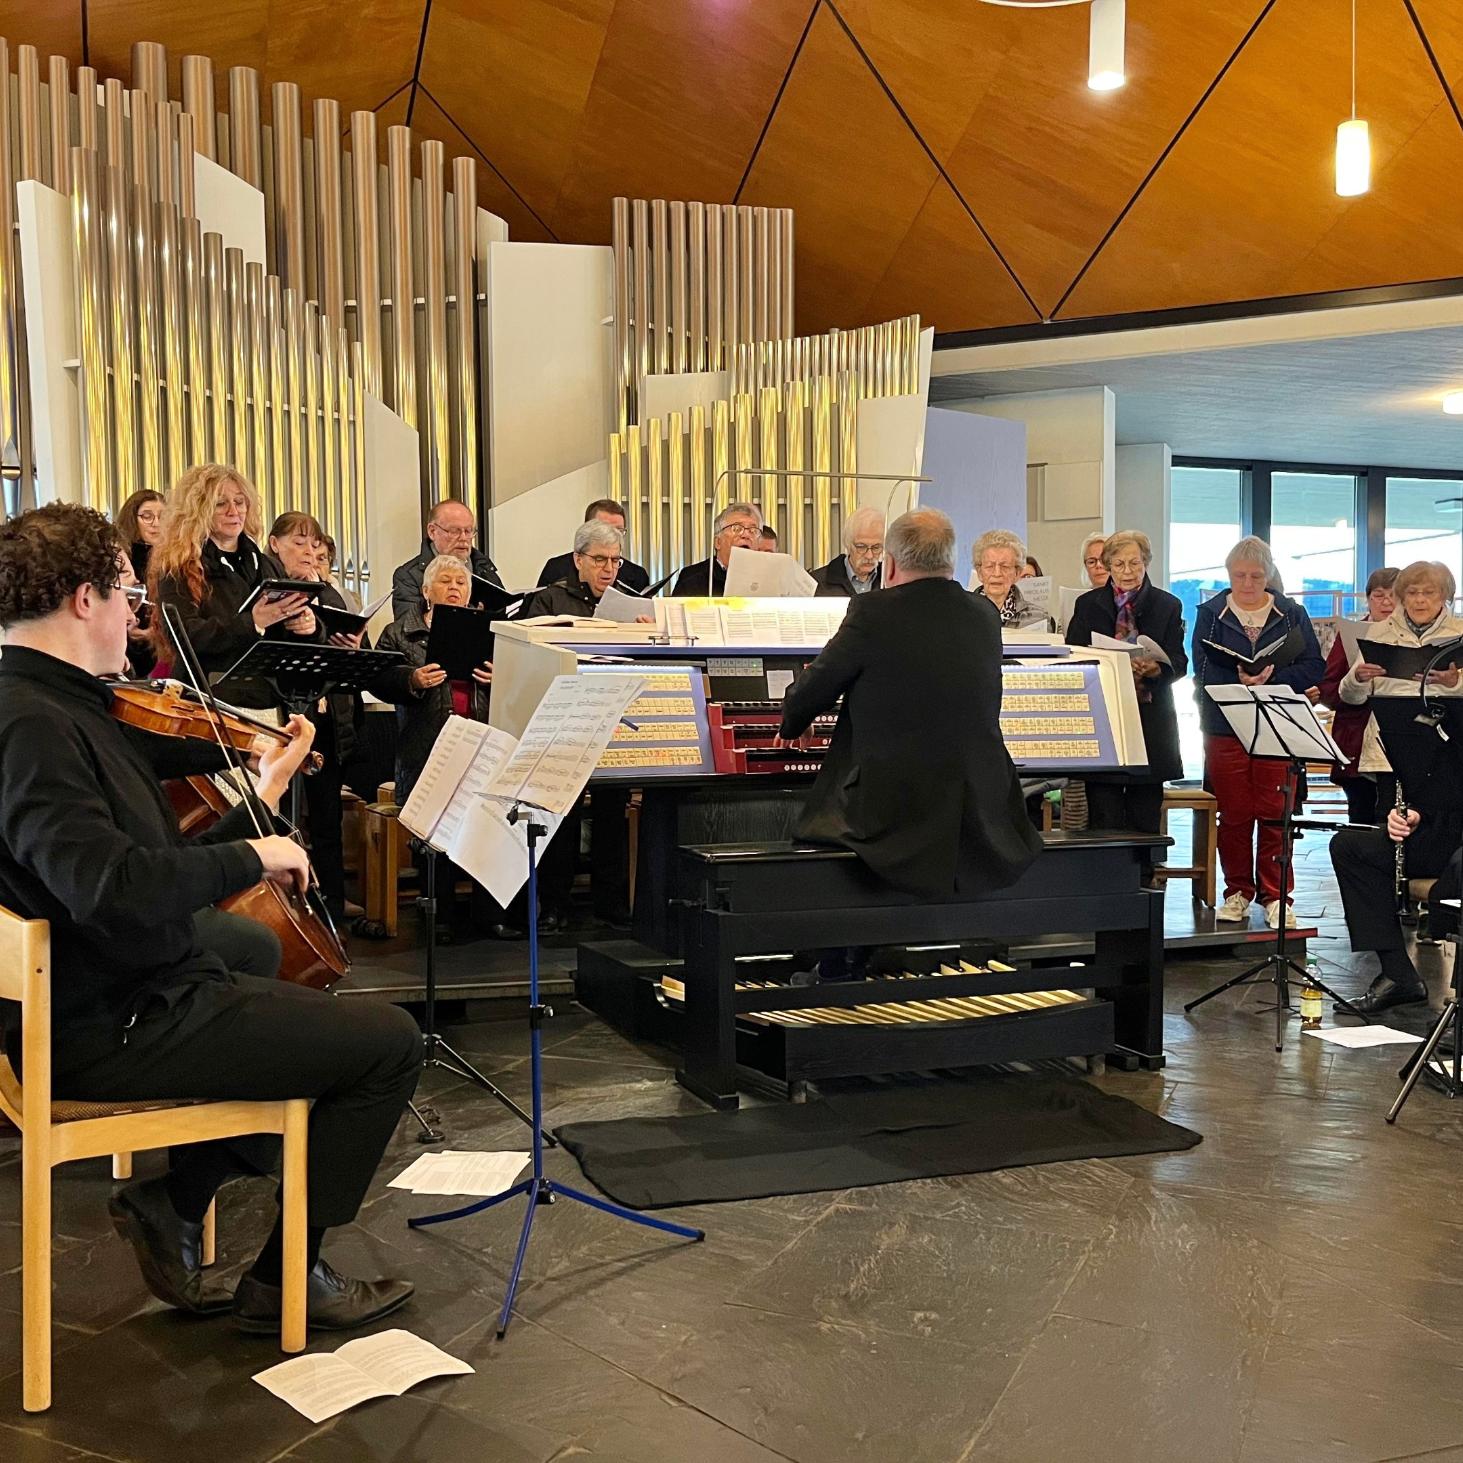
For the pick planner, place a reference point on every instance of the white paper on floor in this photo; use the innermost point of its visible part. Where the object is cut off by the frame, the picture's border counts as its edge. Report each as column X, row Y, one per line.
column 480, row 1175
column 384, row 1365
column 1360, row 1036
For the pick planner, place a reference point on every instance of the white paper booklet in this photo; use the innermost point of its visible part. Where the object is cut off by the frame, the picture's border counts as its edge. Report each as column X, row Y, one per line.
column 387, row 1364
column 623, row 608
column 1145, row 647
column 479, row 1175
column 751, row 574
column 1364, row 1036
column 1037, row 592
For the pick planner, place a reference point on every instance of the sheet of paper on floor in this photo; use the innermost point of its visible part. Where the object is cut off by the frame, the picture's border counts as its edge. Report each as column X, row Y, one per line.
column 453, row 1171
column 325, row 1383
column 1363, row 1036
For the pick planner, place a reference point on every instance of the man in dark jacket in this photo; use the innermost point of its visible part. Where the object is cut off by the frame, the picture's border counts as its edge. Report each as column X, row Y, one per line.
column 631, row 576
column 859, row 567
column 451, row 529
column 917, row 780
column 737, row 526
column 594, row 565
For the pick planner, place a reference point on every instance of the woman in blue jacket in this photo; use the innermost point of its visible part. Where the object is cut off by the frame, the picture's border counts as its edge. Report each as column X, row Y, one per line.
column 1248, row 617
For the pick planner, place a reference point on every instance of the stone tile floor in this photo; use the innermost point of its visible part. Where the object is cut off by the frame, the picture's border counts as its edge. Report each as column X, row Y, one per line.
column 1290, row 1289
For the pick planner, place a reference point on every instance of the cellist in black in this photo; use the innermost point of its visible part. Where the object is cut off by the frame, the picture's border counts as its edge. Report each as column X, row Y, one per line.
column 140, row 1010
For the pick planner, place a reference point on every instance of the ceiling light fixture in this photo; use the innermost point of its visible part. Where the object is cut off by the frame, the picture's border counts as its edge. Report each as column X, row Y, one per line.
column 1453, row 403
column 1353, row 140
column 1105, row 39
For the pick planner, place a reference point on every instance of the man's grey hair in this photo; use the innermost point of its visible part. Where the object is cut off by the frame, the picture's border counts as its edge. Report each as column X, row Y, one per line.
column 736, row 510
column 597, row 534
column 998, row 538
column 440, row 566
column 869, row 521
column 1252, row 550
column 922, row 542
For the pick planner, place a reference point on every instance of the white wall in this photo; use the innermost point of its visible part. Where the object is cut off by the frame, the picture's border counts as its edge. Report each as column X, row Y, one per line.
column 393, row 496
column 1071, row 461
column 977, row 468
column 535, row 525
column 1145, row 497
column 229, row 206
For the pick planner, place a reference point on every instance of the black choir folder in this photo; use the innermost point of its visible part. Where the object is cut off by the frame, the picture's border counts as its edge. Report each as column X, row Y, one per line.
column 1408, row 662
column 1280, row 652
column 459, row 640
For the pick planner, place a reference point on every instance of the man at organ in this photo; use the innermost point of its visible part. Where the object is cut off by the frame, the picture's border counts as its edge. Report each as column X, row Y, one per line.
column 917, row 780
column 631, row 576
column 140, row 1008
column 858, row 568
column 598, row 557
column 737, row 526
column 451, row 529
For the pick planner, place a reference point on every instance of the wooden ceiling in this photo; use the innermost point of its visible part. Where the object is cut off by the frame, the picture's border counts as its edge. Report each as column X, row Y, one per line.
column 942, row 156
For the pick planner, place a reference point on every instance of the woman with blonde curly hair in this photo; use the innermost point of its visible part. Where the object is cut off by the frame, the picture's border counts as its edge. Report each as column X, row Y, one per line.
column 208, row 564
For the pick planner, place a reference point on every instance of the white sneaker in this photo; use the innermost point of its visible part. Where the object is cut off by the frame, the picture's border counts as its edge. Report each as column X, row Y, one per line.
column 1235, row 909
column 1272, row 915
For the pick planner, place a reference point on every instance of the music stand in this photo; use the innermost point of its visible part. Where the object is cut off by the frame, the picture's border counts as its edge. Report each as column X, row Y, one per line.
column 1447, row 1079
column 1277, row 724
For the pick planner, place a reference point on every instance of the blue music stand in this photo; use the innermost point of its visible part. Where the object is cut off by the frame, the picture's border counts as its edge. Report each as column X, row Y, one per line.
column 539, row 1188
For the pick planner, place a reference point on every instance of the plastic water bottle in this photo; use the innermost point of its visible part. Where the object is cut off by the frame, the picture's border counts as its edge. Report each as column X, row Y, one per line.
column 1312, row 1005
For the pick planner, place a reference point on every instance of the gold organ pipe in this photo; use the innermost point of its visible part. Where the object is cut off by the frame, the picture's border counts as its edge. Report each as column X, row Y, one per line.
column 86, row 225
column 294, row 396
column 848, row 395
column 769, row 413
column 116, row 119
column 643, row 358
column 358, row 472
column 620, row 248
column 617, row 479
column 434, row 294
column 186, row 133
column 403, row 300
column 289, row 196
column 822, row 464
column 257, row 352
column 245, row 151
column 313, row 494
column 195, row 322
column 170, row 312
column 150, row 70
column 744, row 424
column 58, row 80
column 238, row 365
column 678, row 326
column 634, row 498
column 785, row 249
column 660, row 284
column 28, row 94
column 721, row 459
column 762, row 244
column 654, row 433
column 330, row 497
column 731, row 273
column 464, row 289
column 279, row 432
column 140, row 110
column 163, row 130
column 696, row 284
column 198, row 103
column 149, row 332
column 341, row 417
column 121, row 337
column 88, row 123
column 713, row 304
column 699, row 493
column 328, row 226
column 747, row 273
column 218, row 358
column 676, row 495
column 795, row 406
column 364, row 187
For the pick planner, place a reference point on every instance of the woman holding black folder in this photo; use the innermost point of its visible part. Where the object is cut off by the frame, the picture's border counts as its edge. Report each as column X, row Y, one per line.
column 1249, row 635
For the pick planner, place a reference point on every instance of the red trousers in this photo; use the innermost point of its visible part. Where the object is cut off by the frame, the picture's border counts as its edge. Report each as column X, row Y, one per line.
column 1248, row 789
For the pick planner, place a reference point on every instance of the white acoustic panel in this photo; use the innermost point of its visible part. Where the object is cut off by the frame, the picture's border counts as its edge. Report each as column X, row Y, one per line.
column 549, row 376
column 535, row 525
column 229, row 206
column 48, row 280
column 891, row 439
column 394, row 528
column 680, row 391
column 1071, row 490
column 978, row 471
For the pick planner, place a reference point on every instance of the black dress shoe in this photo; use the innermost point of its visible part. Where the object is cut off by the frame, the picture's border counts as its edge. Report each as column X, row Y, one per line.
column 333, row 1302
column 505, row 932
column 169, row 1250
column 551, row 923
column 1384, row 993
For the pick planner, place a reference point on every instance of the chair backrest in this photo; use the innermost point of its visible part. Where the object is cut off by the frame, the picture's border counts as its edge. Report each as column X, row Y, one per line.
column 25, row 977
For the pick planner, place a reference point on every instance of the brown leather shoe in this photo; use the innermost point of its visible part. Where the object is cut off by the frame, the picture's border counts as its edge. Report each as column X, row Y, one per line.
column 169, row 1250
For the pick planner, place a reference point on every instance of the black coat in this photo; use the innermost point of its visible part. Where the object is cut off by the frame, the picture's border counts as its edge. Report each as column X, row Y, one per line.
column 917, row 780
column 421, row 716
column 696, row 581
column 561, row 566
column 833, row 578
column 406, row 581
column 1160, row 616
column 567, row 596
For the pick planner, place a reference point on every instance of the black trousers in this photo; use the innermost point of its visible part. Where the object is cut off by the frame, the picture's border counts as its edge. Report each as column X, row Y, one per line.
column 1365, row 861
column 1135, row 805
column 244, row 945
column 1361, row 799
column 249, row 1038
column 323, row 814
column 609, row 851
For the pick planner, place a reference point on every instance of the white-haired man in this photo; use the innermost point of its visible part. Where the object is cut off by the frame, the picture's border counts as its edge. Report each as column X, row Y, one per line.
column 859, row 568
column 737, row 526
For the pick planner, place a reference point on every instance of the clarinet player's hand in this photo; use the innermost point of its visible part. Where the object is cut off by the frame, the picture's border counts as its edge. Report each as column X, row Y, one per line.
column 1399, row 828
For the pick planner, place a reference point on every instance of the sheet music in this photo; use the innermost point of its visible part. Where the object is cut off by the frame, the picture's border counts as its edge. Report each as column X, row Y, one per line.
column 754, row 575
column 564, row 739
column 1275, row 721
column 1350, row 633
column 452, row 753
column 1037, row 592
column 623, row 608
column 1146, row 647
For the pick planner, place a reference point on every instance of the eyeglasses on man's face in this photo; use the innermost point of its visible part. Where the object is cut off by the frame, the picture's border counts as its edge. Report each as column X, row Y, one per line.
column 604, row 561
column 742, row 530
column 867, row 551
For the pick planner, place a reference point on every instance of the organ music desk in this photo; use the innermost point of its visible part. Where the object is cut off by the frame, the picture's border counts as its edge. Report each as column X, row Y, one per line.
column 720, row 887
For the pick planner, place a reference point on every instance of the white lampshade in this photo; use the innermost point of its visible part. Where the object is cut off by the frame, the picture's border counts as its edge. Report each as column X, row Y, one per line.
column 1453, row 403
column 1105, row 45
column 1353, row 158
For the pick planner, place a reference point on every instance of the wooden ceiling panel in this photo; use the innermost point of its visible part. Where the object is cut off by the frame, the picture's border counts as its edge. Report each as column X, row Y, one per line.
column 430, row 123
column 839, row 153
column 1247, row 195
column 946, row 273
column 1442, row 24
column 515, row 75
column 679, row 98
column 231, row 32
column 53, row 27
column 1001, row 98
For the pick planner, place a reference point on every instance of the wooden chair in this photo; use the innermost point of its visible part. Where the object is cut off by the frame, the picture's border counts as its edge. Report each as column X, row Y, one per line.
column 1203, row 872
column 57, row 1132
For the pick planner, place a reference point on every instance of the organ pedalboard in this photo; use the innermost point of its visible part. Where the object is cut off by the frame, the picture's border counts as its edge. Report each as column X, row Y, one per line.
column 744, row 739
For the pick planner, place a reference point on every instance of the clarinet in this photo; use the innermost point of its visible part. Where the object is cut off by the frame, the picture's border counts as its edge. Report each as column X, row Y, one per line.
column 1400, row 888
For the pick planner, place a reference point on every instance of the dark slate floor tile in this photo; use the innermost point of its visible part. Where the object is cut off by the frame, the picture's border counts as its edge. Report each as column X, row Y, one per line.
column 20, row 1445
column 412, row 1427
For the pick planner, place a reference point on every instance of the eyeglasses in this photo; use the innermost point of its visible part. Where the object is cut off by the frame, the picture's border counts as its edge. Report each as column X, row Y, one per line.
column 1126, row 566
column 136, row 595
column 604, row 561
column 1094, row 562
column 865, row 551
column 467, row 533
column 742, row 530
column 989, row 566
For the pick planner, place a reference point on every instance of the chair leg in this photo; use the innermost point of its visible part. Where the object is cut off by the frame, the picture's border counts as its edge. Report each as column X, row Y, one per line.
column 210, row 1224
column 121, row 1165
column 293, row 1320
column 35, row 1304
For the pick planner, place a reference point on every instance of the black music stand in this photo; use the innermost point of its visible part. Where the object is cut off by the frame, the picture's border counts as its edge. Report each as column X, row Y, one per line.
column 1445, row 1076
column 1277, row 724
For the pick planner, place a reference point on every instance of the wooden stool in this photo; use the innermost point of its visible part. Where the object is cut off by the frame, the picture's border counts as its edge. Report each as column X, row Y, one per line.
column 383, row 848
column 1203, row 872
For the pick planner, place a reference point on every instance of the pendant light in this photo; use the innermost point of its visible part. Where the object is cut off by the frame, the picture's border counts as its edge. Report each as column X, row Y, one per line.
column 1105, row 45
column 1353, row 140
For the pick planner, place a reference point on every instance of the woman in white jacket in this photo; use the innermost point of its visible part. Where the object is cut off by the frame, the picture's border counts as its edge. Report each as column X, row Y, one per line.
column 1424, row 616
